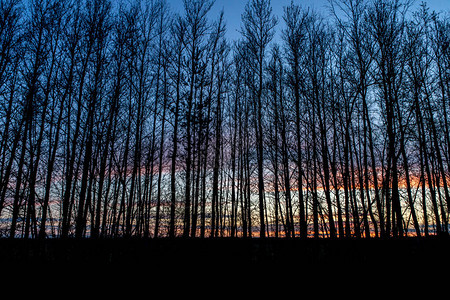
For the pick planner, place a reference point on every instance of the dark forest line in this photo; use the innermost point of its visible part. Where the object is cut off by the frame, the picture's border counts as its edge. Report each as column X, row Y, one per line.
column 133, row 121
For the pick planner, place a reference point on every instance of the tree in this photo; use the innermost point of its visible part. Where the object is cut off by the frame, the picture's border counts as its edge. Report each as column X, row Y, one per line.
column 178, row 33
column 294, row 37
column 258, row 30
column 386, row 19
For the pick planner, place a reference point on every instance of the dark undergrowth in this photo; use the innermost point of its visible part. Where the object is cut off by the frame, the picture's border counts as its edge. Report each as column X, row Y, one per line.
column 226, row 252
column 225, row 265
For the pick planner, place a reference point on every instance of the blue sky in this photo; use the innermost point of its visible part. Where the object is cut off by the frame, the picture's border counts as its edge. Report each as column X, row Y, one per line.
column 234, row 8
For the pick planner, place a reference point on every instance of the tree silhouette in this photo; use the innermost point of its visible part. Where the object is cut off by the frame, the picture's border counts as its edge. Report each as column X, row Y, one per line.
column 131, row 120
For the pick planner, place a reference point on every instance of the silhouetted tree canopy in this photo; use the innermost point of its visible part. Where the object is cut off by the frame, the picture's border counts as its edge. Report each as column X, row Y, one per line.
column 130, row 120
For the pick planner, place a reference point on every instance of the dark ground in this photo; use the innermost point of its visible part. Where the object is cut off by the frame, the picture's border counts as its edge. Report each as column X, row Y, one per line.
column 180, row 266
column 226, row 252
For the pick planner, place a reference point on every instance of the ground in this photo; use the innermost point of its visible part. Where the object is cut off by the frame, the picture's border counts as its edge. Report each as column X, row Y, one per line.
column 227, row 252
column 180, row 266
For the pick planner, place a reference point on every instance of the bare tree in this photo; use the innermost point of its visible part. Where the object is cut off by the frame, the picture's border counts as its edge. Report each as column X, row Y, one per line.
column 258, row 30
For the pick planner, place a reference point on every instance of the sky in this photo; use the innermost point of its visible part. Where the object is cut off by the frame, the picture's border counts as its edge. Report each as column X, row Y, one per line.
column 234, row 8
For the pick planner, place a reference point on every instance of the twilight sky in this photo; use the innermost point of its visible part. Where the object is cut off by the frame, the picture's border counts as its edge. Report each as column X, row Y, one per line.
column 234, row 8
